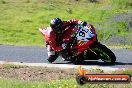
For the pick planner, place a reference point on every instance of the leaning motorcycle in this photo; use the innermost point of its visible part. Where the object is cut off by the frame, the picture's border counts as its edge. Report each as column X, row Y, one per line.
column 80, row 36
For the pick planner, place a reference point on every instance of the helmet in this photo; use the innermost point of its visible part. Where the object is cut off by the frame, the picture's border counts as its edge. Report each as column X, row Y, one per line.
column 56, row 24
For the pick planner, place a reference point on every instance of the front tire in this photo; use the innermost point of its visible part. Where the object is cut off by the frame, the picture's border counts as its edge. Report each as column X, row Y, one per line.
column 105, row 54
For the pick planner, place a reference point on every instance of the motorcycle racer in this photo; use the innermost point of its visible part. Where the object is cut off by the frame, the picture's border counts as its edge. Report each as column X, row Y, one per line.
column 54, row 35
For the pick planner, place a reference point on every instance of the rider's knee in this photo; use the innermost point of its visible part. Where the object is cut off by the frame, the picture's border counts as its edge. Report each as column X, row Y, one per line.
column 52, row 56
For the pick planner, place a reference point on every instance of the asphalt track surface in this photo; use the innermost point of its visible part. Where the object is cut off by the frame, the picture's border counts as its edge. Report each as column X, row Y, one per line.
column 31, row 54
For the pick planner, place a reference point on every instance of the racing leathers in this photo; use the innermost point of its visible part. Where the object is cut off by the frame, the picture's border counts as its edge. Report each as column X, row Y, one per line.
column 54, row 40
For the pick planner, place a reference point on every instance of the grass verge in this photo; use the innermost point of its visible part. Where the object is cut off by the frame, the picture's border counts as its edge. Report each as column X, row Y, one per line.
column 20, row 20
column 13, row 76
column 67, row 83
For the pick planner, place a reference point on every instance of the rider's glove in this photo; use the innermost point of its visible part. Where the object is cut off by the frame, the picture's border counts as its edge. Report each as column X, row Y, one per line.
column 64, row 46
column 82, row 23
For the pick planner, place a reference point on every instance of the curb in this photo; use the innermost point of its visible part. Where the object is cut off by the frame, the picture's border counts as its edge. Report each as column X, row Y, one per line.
column 62, row 66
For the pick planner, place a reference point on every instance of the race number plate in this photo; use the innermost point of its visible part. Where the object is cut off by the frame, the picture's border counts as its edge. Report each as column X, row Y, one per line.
column 83, row 34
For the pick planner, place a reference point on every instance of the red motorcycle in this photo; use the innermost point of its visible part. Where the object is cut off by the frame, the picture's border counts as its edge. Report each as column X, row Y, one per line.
column 80, row 37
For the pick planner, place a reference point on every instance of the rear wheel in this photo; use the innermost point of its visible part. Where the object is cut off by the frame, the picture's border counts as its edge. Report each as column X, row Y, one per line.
column 104, row 53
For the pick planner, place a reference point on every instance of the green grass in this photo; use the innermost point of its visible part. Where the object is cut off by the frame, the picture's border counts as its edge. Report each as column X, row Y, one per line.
column 20, row 19
column 8, row 83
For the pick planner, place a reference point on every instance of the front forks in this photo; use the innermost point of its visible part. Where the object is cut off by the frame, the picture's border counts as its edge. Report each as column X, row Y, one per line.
column 92, row 51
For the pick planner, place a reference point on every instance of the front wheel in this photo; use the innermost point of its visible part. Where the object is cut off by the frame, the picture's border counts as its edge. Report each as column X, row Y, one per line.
column 104, row 53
